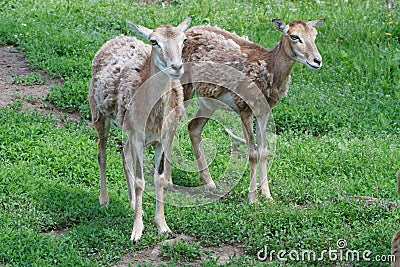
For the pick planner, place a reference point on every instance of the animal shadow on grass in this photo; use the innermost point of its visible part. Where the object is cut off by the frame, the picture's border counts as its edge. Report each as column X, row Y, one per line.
column 66, row 207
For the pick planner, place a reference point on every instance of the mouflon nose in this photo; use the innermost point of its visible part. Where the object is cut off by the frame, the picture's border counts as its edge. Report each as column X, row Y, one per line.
column 317, row 61
column 176, row 66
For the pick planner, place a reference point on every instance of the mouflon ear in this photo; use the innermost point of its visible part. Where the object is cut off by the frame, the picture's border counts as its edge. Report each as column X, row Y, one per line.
column 280, row 25
column 316, row 23
column 184, row 24
column 141, row 30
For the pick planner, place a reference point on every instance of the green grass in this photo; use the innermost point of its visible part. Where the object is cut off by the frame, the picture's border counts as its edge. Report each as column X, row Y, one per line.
column 338, row 136
column 182, row 250
column 29, row 79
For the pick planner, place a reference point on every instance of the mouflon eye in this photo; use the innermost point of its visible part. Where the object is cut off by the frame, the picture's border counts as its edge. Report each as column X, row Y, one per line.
column 153, row 42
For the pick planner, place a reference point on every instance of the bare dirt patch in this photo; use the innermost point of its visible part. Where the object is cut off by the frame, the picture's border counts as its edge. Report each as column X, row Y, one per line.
column 222, row 254
column 13, row 64
column 56, row 233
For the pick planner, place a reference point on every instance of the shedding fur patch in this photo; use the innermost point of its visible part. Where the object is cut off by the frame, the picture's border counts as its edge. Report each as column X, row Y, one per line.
column 207, row 43
column 117, row 68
